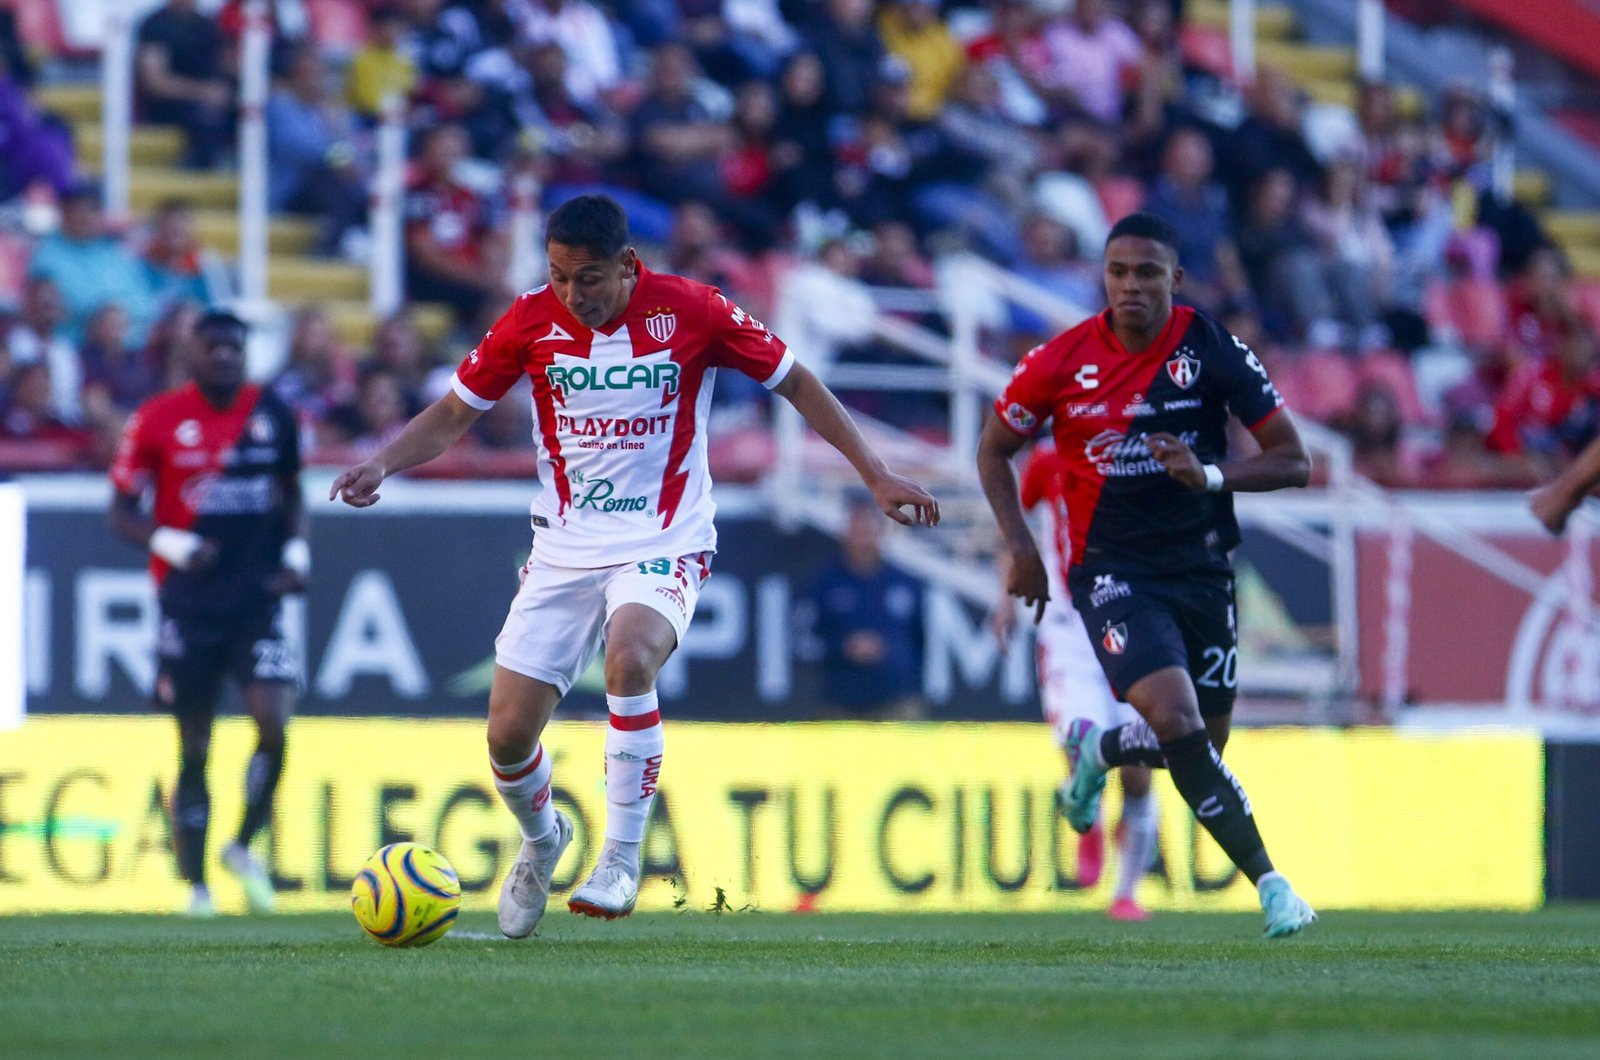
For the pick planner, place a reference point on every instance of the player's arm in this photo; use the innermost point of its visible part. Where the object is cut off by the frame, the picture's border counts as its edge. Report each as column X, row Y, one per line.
column 432, row 431
column 181, row 549
column 1283, row 461
column 819, row 408
column 1024, row 569
column 1554, row 502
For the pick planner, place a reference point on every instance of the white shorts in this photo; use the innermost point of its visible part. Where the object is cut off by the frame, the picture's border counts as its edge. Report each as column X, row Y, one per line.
column 558, row 619
column 1071, row 683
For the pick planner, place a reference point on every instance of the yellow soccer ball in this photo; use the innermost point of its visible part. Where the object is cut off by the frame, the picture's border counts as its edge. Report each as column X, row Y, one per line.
column 406, row 895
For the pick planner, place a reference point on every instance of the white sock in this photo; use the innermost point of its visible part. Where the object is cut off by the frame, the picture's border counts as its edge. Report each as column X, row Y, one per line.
column 525, row 789
column 634, row 746
column 1141, row 820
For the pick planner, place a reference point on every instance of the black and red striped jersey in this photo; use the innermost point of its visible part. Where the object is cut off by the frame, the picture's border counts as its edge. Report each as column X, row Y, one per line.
column 225, row 474
column 1122, row 507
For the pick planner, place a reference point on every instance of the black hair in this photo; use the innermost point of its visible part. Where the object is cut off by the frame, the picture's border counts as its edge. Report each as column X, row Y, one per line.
column 594, row 222
column 217, row 317
column 1145, row 226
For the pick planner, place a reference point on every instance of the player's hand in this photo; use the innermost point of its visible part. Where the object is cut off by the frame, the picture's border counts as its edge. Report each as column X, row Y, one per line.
column 892, row 492
column 1003, row 621
column 1552, row 505
column 1027, row 579
column 358, row 485
column 1177, row 458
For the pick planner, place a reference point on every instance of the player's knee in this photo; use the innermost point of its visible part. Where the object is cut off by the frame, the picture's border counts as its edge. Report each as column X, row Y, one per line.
column 511, row 740
column 631, row 669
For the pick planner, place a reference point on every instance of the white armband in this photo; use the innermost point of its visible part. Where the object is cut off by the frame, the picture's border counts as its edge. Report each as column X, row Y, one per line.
column 176, row 547
column 1213, row 477
column 297, row 556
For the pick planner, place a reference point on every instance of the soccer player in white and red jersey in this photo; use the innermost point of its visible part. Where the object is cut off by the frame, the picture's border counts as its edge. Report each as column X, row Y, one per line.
column 621, row 362
column 1072, row 688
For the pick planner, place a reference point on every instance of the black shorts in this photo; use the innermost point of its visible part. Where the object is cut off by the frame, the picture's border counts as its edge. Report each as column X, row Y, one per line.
column 1140, row 624
column 195, row 652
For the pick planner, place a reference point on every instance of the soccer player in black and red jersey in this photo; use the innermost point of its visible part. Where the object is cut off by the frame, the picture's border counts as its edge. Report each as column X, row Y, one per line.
column 225, row 529
column 1140, row 397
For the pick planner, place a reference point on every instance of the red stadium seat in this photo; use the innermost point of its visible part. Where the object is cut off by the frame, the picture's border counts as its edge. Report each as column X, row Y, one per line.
column 1394, row 372
column 39, row 26
column 1318, row 384
column 1475, row 309
column 1119, row 196
column 14, row 254
column 339, row 26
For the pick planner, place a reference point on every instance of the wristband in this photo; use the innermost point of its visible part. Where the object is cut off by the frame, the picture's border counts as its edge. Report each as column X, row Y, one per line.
column 297, row 556
column 176, row 547
column 1213, row 477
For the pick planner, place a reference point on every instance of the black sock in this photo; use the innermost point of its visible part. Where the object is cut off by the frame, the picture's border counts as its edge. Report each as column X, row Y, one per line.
column 191, row 810
column 260, row 782
column 1217, row 800
column 1133, row 744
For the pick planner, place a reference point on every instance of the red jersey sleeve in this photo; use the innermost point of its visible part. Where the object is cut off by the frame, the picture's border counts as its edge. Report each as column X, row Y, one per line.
column 494, row 365
column 740, row 341
column 133, row 469
column 1029, row 399
column 1511, row 412
column 1041, row 475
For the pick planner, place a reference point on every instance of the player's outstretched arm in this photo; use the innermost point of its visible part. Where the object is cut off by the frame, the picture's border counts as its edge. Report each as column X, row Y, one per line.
column 1555, row 501
column 1283, row 461
column 430, row 432
column 1024, row 569
column 817, row 405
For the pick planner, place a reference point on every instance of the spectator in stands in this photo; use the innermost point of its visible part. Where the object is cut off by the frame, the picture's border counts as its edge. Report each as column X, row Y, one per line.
column 699, row 249
column 1270, row 137
column 28, row 414
column 169, row 345
column 13, row 56
column 912, row 30
column 1051, row 259
column 35, row 148
column 893, row 260
column 91, row 268
column 846, row 41
column 180, row 79
column 115, row 378
column 802, row 149
column 727, row 55
column 866, row 618
column 313, row 168
column 1356, row 256
column 747, row 166
column 1015, row 54
column 381, row 67
column 1374, row 431
column 1465, row 462
column 594, row 67
column 378, row 414
column 1156, row 95
column 1551, row 407
column 1279, row 261
column 974, row 123
column 36, row 338
column 398, row 348
column 442, row 43
column 583, row 139
column 1089, row 52
column 1185, row 196
column 1541, row 308
column 1403, row 188
column 173, row 257
column 455, row 250
column 319, row 376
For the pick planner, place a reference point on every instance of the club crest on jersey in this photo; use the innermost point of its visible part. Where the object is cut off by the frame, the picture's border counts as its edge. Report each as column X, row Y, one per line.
column 661, row 323
column 1020, row 418
column 1183, row 368
column 261, row 430
column 1115, row 638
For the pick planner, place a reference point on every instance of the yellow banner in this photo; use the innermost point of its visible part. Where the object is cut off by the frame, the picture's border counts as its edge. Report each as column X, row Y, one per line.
column 838, row 816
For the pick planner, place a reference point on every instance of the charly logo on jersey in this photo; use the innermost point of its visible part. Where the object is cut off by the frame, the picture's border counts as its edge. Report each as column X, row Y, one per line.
column 1106, row 589
column 1114, row 638
column 188, row 433
column 1117, row 455
column 1020, row 418
column 1183, row 368
column 599, row 494
column 661, row 323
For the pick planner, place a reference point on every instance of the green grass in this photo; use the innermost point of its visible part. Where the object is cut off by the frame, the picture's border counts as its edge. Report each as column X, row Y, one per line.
column 752, row 984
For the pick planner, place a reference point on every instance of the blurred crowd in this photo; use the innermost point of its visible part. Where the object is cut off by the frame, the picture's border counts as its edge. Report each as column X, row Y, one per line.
column 846, row 144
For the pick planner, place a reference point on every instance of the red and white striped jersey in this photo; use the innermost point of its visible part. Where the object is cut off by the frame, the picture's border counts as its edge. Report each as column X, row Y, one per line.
column 620, row 414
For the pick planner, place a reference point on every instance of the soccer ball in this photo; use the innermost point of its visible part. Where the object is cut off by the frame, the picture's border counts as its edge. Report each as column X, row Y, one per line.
column 406, row 895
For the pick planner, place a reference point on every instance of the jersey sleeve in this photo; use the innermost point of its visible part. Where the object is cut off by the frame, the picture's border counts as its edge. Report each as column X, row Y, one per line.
column 493, row 366
column 1041, row 476
column 133, row 468
column 740, row 341
column 1244, row 380
column 1028, row 400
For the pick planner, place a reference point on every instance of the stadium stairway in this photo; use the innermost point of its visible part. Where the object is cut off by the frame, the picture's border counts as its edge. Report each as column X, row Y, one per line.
column 294, row 275
column 1328, row 75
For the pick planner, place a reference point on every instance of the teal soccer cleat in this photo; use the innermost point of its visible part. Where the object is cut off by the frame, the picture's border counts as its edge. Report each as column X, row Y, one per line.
column 1286, row 911
column 1080, row 799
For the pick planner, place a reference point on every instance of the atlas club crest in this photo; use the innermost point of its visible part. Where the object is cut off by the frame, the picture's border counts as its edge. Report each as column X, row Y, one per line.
column 1183, row 368
column 661, row 324
column 1115, row 638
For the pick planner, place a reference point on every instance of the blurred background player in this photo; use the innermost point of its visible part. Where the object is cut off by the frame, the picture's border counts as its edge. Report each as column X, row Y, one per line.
column 866, row 617
column 1072, row 690
column 622, row 362
column 1553, row 503
column 220, row 460
column 1140, row 397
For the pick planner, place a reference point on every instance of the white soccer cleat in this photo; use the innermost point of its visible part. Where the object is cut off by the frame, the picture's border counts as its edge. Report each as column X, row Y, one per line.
column 252, row 876
column 610, row 891
column 527, row 888
column 200, row 906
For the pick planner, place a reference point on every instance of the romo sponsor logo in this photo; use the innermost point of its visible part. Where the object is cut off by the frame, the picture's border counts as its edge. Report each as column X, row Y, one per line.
column 577, row 377
column 598, row 495
column 1114, row 639
column 1107, row 588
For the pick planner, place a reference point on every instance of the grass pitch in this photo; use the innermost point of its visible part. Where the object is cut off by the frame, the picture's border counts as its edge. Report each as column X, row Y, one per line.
column 752, row 984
